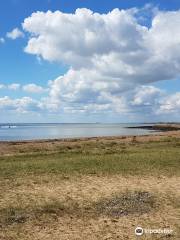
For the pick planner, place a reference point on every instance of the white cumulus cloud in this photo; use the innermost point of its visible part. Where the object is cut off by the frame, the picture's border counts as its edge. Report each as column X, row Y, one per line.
column 2, row 40
column 147, row 96
column 22, row 105
column 13, row 86
column 2, row 86
column 170, row 105
column 15, row 33
column 33, row 88
column 107, row 54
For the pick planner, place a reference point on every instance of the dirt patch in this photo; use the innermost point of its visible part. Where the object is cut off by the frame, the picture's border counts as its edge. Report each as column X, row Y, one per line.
column 119, row 205
column 126, row 204
column 12, row 215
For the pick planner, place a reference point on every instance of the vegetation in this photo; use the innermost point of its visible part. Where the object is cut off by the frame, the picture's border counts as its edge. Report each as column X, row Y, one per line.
column 151, row 158
column 89, row 189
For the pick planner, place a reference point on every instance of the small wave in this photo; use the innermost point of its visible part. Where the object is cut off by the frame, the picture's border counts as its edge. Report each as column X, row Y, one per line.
column 8, row 126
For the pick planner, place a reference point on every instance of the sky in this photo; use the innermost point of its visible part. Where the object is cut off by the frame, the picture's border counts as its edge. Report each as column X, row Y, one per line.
column 88, row 61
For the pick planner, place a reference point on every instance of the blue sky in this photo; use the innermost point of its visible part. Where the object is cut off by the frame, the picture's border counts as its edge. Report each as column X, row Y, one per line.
column 37, row 85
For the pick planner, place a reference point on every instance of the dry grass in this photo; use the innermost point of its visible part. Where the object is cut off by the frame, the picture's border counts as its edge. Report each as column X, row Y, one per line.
column 82, row 199
column 76, row 208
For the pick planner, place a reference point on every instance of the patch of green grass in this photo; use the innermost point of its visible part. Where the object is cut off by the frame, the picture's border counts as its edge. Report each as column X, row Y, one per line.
column 151, row 158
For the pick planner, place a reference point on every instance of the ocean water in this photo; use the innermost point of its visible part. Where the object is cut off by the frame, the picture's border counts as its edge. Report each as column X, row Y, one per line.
column 15, row 132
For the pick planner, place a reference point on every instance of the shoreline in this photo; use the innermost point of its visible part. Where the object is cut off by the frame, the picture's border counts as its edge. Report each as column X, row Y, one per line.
column 9, row 148
column 157, row 130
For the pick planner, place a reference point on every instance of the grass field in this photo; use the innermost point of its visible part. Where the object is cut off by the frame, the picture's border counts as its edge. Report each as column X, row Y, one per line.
column 101, row 188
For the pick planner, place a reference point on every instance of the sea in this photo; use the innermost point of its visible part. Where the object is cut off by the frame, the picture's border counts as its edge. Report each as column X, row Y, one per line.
column 38, row 131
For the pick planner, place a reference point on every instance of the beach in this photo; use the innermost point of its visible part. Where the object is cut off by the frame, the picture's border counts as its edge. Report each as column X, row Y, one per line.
column 90, row 188
column 90, row 120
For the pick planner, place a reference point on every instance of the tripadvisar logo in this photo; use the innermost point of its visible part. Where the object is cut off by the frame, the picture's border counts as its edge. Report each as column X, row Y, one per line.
column 139, row 231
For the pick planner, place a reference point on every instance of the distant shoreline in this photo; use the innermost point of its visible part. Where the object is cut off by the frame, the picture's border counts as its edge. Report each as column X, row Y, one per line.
column 159, row 127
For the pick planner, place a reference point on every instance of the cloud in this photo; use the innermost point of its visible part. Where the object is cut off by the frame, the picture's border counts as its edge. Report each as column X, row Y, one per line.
column 2, row 40
column 33, row 88
column 143, row 102
column 13, row 86
column 77, row 39
column 22, row 105
column 14, row 34
column 153, row 101
column 170, row 105
column 107, row 54
column 146, row 96
column 30, row 88
column 2, row 86
column 113, row 61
